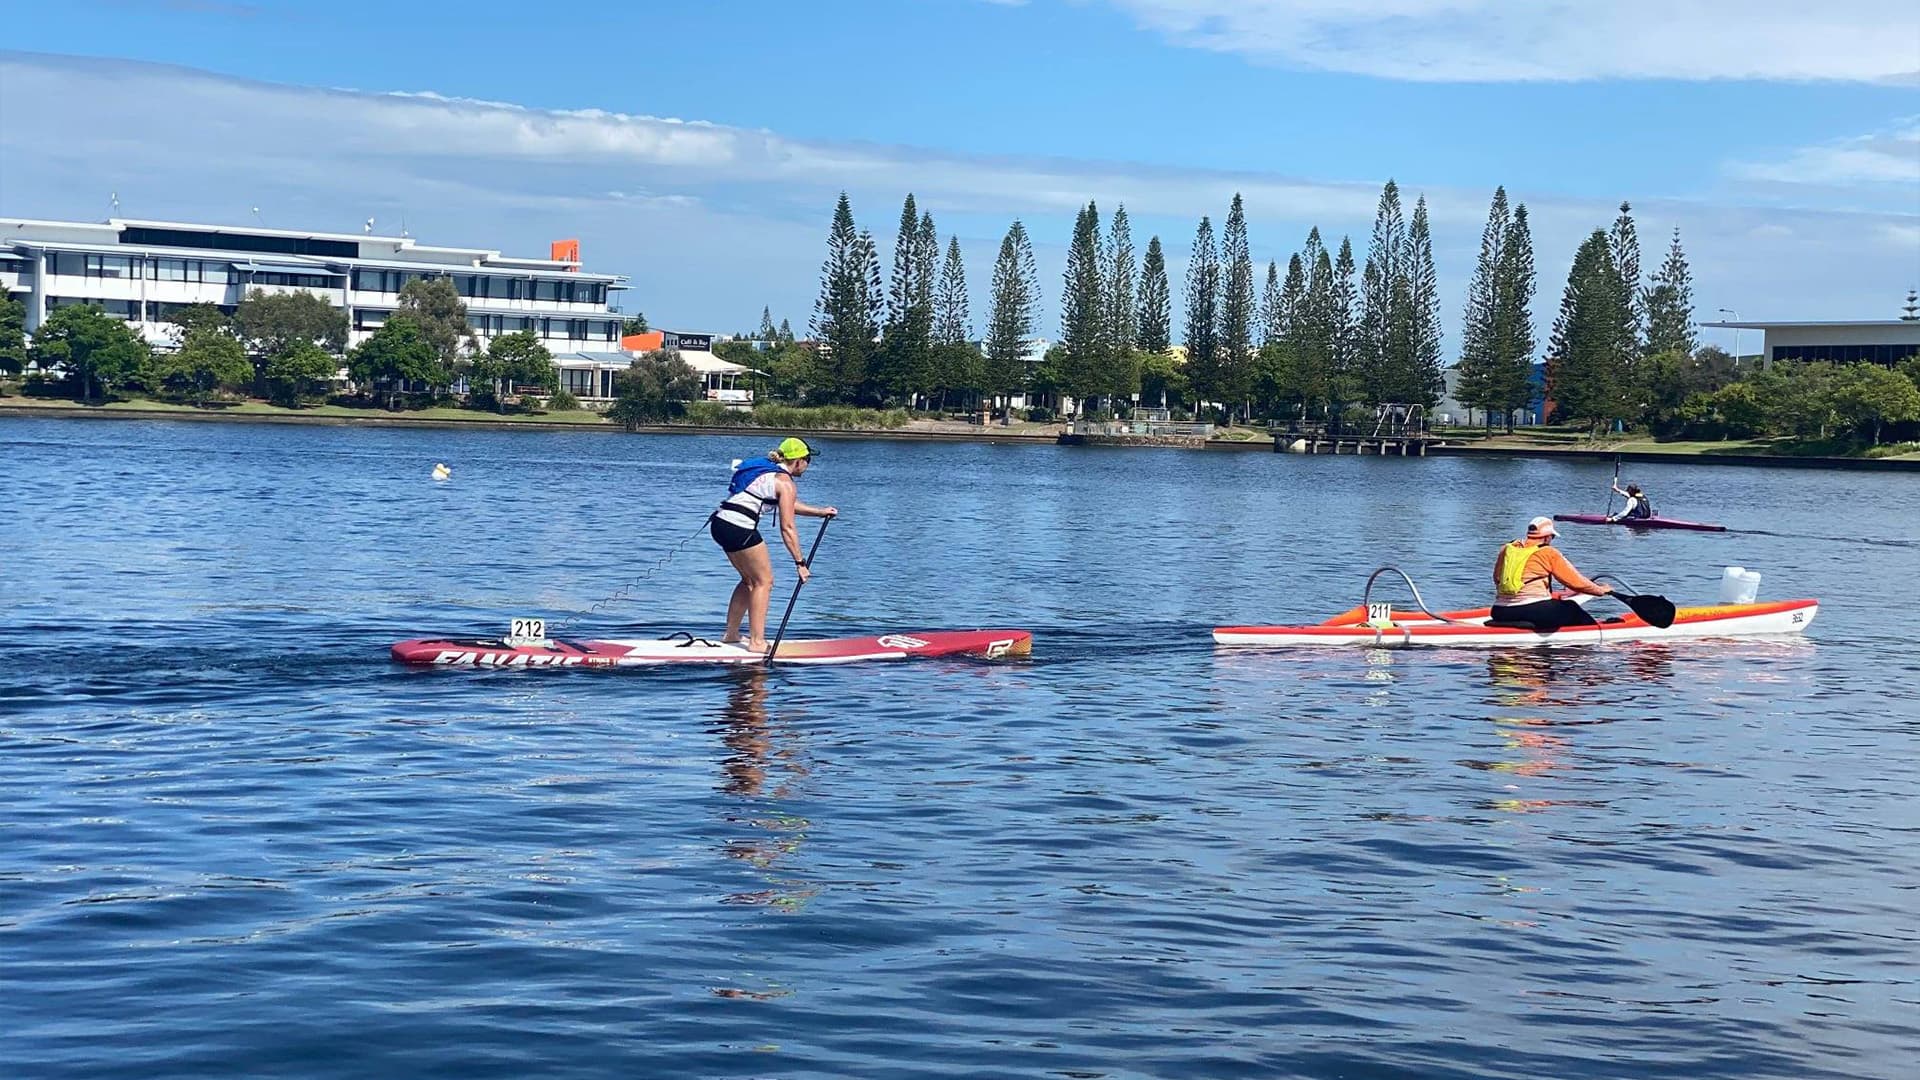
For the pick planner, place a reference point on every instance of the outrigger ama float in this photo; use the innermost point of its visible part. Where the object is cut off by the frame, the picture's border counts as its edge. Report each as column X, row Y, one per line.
column 1380, row 625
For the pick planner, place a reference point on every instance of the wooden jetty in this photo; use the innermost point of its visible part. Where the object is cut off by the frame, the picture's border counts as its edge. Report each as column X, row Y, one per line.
column 1148, row 427
column 1396, row 430
column 1352, row 443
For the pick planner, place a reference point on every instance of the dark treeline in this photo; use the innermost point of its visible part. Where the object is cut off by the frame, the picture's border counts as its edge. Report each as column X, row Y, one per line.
column 1332, row 334
column 1328, row 333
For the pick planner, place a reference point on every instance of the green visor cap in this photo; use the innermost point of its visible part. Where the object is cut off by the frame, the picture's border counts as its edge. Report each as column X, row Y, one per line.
column 794, row 449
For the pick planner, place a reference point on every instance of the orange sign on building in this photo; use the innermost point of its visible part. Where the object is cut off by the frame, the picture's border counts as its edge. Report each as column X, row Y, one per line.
column 567, row 251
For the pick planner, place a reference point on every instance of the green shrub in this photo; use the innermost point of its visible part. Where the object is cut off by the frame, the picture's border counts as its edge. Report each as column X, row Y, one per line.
column 714, row 414
column 40, row 384
column 562, row 400
column 827, row 417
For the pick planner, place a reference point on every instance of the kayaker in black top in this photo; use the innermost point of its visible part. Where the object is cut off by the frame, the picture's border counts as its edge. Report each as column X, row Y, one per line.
column 1638, row 507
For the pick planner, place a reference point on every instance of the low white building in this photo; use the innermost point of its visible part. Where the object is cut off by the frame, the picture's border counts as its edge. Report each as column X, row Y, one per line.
column 589, row 375
column 144, row 271
column 1879, row 341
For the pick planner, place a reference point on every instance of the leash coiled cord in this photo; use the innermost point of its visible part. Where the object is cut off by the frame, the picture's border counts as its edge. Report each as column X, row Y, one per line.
column 625, row 592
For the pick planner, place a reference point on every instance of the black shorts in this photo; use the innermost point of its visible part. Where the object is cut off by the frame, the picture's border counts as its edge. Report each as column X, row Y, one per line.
column 731, row 537
column 1542, row 615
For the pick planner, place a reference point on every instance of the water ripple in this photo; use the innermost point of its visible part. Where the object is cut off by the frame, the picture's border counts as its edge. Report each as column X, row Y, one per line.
column 238, row 842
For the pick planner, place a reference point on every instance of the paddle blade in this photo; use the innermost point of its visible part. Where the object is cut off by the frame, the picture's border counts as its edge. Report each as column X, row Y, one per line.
column 1653, row 610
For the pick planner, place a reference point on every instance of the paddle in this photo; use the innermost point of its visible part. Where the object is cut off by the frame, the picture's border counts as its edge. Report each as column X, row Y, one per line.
column 1614, row 486
column 1654, row 610
column 795, row 598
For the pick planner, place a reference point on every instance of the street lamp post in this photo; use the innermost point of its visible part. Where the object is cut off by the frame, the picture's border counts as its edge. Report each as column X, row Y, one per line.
column 1734, row 316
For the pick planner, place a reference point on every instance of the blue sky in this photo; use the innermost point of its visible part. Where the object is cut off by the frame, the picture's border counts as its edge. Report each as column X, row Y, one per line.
column 698, row 147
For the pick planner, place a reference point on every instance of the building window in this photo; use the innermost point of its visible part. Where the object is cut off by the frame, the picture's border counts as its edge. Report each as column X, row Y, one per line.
column 580, row 381
column 1847, row 354
column 284, row 245
column 109, row 267
column 160, row 311
column 296, row 281
column 119, row 309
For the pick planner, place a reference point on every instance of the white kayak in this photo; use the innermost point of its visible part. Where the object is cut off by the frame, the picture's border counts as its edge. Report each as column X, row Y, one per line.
column 1405, row 629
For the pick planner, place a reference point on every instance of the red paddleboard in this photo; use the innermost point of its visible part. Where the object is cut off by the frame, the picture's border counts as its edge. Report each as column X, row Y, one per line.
column 638, row 652
column 1639, row 523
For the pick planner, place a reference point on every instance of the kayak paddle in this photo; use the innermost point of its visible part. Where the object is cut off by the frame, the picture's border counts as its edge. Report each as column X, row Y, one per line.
column 795, row 598
column 1654, row 610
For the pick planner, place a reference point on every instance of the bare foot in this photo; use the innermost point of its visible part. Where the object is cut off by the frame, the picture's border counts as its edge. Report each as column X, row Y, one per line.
column 757, row 646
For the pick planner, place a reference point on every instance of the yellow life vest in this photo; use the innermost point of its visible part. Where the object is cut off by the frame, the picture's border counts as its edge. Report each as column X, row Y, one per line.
column 1513, row 567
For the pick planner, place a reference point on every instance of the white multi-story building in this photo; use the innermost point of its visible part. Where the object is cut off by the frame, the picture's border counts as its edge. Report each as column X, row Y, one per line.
column 1879, row 341
column 144, row 271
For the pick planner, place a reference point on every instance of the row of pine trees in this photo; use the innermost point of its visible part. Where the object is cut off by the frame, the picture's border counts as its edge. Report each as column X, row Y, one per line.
column 1612, row 327
column 1325, row 333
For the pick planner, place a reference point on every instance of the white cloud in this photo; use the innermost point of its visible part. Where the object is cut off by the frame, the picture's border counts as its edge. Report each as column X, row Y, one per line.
column 1891, row 157
column 714, row 221
column 1553, row 40
column 284, row 124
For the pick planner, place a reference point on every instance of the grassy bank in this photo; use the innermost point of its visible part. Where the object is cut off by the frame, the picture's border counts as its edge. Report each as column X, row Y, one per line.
column 1561, row 440
column 261, row 408
column 701, row 417
column 701, row 414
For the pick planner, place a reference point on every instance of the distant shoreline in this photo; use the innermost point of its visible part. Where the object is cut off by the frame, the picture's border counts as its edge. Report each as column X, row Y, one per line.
column 95, row 412
column 1664, row 457
column 985, row 435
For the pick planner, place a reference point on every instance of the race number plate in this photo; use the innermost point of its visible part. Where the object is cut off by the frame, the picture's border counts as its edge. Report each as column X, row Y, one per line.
column 1380, row 614
column 528, row 632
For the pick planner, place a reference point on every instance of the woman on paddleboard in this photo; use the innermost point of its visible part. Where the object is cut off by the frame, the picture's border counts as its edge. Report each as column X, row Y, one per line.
column 1638, row 507
column 1523, row 577
column 761, row 485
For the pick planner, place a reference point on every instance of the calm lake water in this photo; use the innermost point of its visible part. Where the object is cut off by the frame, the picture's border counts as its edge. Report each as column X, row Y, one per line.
column 236, row 841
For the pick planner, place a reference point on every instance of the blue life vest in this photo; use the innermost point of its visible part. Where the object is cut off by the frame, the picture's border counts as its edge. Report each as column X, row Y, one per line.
column 744, row 507
column 750, row 470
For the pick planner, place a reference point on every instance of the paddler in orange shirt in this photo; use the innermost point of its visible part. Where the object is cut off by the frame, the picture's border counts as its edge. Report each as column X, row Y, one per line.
column 1523, row 578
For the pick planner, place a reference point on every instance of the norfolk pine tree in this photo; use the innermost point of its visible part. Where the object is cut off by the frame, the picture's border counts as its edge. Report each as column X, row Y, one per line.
column 1236, row 310
column 1512, row 384
column 1587, row 362
column 1122, row 377
column 1203, row 317
column 1010, row 323
column 1155, row 324
column 1668, row 303
column 1474, row 389
column 1425, row 381
column 1082, row 311
column 845, row 314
